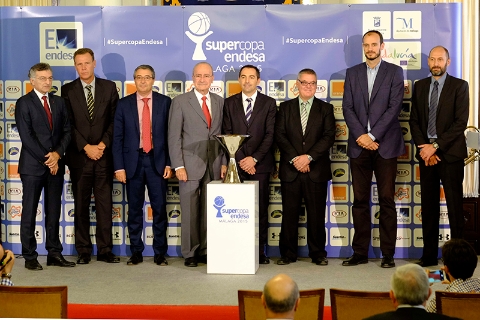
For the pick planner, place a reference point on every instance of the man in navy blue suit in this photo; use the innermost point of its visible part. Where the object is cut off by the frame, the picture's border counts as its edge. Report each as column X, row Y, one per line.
column 372, row 101
column 44, row 128
column 140, row 158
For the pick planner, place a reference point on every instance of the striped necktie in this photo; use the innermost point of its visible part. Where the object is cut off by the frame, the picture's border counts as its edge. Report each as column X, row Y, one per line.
column 432, row 113
column 303, row 116
column 248, row 113
column 90, row 101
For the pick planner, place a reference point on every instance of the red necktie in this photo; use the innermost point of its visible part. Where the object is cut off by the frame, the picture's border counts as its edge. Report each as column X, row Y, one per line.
column 47, row 111
column 146, row 127
column 206, row 112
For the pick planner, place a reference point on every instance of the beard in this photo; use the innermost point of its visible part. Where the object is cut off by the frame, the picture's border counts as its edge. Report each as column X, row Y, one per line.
column 439, row 71
column 377, row 54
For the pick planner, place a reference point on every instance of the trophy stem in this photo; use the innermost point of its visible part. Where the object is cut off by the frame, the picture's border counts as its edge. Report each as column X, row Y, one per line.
column 232, row 173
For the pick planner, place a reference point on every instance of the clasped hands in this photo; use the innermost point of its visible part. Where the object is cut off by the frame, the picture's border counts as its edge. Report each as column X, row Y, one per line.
column 247, row 164
column 52, row 161
column 301, row 163
column 366, row 142
column 95, row 152
column 427, row 153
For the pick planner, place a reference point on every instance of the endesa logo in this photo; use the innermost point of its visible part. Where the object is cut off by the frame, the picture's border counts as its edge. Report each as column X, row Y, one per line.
column 59, row 41
column 229, row 215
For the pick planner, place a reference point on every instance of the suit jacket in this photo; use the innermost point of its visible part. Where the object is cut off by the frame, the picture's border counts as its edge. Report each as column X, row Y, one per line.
column 37, row 138
column 452, row 117
column 382, row 110
column 318, row 139
column 261, row 129
column 409, row 314
column 191, row 143
column 126, row 133
column 85, row 131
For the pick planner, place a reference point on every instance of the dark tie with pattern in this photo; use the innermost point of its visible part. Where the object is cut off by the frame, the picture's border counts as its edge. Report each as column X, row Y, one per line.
column 248, row 113
column 432, row 113
column 47, row 111
column 304, row 116
column 90, row 101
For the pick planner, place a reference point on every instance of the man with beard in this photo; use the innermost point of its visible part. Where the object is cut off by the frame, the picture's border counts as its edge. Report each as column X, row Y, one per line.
column 437, row 121
column 372, row 101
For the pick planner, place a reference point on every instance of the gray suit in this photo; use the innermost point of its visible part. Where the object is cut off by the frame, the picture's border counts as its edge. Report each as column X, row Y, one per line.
column 192, row 145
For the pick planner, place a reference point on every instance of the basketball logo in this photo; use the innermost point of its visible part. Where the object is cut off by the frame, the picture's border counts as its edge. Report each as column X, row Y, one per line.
column 199, row 23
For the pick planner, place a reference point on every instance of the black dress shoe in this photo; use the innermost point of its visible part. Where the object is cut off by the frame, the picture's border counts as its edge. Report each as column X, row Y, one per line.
column 84, row 258
column 108, row 257
column 136, row 258
column 59, row 261
column 160, row 260
column 355, row 260
column 202, row 259
column 263, row 259
column 320, row 261
column 283, row 261
column 33, row 265
column 191, row 262
column 387, row 261
column 427, row 263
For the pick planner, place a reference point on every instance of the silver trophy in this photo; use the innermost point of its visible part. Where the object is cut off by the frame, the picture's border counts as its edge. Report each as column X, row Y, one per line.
column 231, row 143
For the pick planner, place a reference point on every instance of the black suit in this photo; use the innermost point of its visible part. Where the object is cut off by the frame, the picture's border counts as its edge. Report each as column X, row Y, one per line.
column 261, row 130
column 38, row 140
column 312, row 186
column 452, row 117
column 409, row 314
column 87, row 174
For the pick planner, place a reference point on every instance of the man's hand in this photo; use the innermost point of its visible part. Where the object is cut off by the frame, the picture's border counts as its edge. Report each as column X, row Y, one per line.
column 167, row 173
column 121, row 176
column 432, row 161
column 181, row 174
column 366, row 142
column 94, row 152
column 248, row 165
column 101, row 146
column 52, row 159
column 223, row 171
column 301, row 163
column 9, row 262
column 426, row 151
column 54, row 169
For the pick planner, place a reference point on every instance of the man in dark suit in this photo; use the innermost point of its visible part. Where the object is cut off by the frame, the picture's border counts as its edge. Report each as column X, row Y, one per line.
column 42, row 122
column 91, row 104
column 140, row 158
column 253, row 114
column 409, row 294
column 438, row 120
column 304, row 132
column 372, row 101
column 195, row 118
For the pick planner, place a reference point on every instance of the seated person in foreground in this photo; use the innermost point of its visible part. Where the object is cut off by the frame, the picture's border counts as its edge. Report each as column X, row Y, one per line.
column 409, row 294
column 459, row 263
column 7, row 259
column 280, row 297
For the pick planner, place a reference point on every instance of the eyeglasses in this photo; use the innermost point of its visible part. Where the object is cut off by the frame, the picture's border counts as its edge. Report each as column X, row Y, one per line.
column 205, row 76
column 140, row 78
column 43, row 79
column 306, row 84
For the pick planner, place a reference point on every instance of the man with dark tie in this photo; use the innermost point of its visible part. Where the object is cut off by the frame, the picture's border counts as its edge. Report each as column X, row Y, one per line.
column 438, row 120
column 44, row 128
column 140, row 158
column 195, row 118
column 372, row 101
column 304, row 132
column 91, row 104
column 253, row 113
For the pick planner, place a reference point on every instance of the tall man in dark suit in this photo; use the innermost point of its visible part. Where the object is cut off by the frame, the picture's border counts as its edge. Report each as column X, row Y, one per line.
column 438, row 120
column 91, row 103
column 140, row 158
column 304, row 132
column 42, row 122
column 372, row 101
column 409, row 294
column 195, row 118
column 253, row 113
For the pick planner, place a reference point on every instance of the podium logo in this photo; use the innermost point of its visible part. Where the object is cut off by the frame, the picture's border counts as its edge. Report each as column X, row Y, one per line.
column 235, row 214
column 218, row 204
column 198, row 25
column 59, row 41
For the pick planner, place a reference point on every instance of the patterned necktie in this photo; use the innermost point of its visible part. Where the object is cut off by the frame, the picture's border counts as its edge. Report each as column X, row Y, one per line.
column 47, row 111
column 303, row 116
column 146, row 127
column 248, row 113
column 206, row 112
column 432, row 114
column 90, row 101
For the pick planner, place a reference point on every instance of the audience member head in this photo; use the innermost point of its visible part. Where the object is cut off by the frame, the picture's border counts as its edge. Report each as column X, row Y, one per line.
column 410, row 285
column 459, row 259
column 280, row 297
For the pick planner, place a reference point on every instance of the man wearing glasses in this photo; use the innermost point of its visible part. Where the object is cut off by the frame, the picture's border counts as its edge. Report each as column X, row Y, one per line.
column 140, row 158
column 195, row 118
column 304, row 132
column 44, row 128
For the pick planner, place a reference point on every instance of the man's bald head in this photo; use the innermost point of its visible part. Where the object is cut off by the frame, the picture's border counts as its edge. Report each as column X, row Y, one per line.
column 281, row 294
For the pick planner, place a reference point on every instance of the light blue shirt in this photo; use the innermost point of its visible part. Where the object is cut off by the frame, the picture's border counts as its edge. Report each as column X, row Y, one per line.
column 371, row 76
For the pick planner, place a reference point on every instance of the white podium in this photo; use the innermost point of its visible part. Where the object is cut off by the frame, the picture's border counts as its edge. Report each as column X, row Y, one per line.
column 232, row 227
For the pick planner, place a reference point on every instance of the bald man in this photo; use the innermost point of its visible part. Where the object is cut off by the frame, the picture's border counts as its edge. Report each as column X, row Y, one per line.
column 280, row 297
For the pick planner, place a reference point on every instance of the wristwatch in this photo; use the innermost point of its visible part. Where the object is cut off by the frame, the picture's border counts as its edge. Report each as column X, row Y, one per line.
column 7, row 275
column 435, row 145
column 309, row 157
column 255, row 160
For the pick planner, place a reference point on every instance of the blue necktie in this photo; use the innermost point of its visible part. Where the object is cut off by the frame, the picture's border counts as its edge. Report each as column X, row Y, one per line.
column 432, row 113
column 248, row 113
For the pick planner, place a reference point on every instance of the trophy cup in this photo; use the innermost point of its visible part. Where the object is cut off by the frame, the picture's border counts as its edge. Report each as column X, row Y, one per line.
column 231, row 143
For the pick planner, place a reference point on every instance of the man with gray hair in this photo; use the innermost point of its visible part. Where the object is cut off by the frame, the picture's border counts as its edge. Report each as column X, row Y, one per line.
column 280, row 297
column 409, row 294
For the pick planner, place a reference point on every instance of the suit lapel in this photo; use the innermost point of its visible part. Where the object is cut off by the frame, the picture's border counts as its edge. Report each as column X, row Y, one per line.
column 314, row 111
column 425, row 93
column 53, row 110
column 239, row 111
column 382, row 71
column 39, row 105
column 445, row 93
column 295, row 115
column 363, row 81
column 195, row 104
column 80, row 96
column 134, row 112
column 256, row 108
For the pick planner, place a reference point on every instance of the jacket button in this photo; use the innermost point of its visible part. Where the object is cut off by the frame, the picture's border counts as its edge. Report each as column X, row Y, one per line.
column 303, row 142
